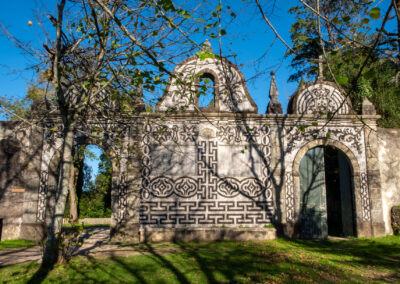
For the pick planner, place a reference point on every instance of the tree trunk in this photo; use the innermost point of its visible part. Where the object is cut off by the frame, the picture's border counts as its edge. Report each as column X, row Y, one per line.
column 50, row 255
column 73, row 203
column 79, row 157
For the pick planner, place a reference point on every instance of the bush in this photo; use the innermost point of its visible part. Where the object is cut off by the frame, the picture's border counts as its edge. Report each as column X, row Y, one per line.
column 395, row 212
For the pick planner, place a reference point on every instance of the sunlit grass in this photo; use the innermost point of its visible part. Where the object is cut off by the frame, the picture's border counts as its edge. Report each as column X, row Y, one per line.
column 16, row 244
column 287, row 261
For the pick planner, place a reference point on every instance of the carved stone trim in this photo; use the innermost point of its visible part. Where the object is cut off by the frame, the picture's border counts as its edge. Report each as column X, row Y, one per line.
column 231, row 90
column 42, row 200
column 365, row 200
column 289, row 198
column 321, row 99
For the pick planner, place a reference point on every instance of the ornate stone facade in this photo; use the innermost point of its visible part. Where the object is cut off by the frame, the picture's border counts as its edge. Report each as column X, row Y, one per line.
column 220, row 166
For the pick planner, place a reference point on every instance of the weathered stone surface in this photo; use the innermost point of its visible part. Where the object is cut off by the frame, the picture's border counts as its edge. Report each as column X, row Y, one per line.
column 91, row 221
column 389, row 167
column 207, row 234
column 368, row 108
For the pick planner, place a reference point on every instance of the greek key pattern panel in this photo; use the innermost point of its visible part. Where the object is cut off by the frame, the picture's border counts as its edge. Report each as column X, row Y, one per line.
column 204, row 199
column 205, row 213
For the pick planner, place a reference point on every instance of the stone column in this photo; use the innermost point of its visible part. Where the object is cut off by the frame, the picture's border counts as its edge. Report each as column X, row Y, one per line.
column 32, row 139
column 125, row 224
column 277, row 171
column 374, row 179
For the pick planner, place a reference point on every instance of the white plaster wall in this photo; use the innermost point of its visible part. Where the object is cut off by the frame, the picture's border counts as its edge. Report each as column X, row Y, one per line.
column 389, row 159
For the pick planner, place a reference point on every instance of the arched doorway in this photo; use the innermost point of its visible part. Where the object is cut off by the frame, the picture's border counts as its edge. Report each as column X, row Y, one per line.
column 92, row 182
column 326, row 194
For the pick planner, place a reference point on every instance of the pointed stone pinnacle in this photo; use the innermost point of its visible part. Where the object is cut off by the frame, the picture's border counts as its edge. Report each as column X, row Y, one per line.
column 273, row 90
column 368, row 108
column 274, row 105
column 206, row 46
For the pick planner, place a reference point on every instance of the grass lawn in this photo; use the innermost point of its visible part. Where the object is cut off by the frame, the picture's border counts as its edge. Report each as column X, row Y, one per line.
column 16, row 244
column 351, row 261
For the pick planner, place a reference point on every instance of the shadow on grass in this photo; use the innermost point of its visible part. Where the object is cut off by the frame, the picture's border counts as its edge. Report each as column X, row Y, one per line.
column 384, row 253
column 233, row 262
column 41, row 274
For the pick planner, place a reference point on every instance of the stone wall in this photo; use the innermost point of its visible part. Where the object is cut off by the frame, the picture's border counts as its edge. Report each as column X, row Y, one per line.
column 233, row 171
column 205, row 173
column 188, row 171
column 389, row 162
column 20, row 148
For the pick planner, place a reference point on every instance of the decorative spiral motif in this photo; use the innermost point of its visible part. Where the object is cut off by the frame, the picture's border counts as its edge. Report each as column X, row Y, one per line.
column 161, row 186
column 228, row 187
column 321, row 99
column 185, row 187
column 252, row 187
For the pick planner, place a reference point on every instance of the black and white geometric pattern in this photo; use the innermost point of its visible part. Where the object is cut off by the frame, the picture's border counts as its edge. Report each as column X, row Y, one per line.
column 206, row 198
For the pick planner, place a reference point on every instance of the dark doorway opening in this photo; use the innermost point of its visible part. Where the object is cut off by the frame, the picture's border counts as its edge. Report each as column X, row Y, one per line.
column 326, row 194
column 339, row 193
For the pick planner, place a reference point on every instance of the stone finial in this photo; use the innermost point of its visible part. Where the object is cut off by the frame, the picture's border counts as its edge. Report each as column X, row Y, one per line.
column 274, row 105
column 368, row 108
column 206, row 46
column 320, row 62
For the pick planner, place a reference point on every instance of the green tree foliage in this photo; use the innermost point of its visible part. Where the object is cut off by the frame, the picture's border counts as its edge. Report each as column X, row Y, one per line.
column 364, row 63
column 342, row 23
column 95, row 200
column 378, row 83
column 37, row 98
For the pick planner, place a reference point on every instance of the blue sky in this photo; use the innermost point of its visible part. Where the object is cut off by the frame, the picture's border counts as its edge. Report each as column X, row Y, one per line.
column 248, row 37
column 15, row 15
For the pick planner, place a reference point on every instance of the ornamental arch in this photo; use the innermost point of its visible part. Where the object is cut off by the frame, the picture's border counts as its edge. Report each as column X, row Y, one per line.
column 51, row 156
column 356, row 190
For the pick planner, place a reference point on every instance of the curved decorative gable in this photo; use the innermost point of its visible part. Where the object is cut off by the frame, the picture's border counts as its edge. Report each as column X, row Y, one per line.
column 230, row 91
column 321, row 98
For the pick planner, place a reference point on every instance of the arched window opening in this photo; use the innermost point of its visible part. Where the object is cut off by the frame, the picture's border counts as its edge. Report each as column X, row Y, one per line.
column 91, row 182
column 206, row 92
